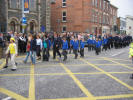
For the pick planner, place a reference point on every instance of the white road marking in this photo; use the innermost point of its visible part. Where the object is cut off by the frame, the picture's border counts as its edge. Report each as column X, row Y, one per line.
column 8, row 98
column 117, row 53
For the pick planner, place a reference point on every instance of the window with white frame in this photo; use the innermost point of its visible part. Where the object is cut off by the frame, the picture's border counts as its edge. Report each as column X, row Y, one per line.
column 63, row 3
column 64, row 28
column 93, row 2
column 100, row 4
column 96, row 3
column 64, row 17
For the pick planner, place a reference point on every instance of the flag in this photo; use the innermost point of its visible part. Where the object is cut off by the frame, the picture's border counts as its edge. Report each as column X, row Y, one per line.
column 26, row 6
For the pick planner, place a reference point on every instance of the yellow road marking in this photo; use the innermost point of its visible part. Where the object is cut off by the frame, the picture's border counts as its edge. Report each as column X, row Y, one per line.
column 12, row 94
column 81, row 86
column 108, row 74
column 82, row 98
column 115, row 96
column 119, row 63
column 32, row 84
column 2, row 65
column 56, row 74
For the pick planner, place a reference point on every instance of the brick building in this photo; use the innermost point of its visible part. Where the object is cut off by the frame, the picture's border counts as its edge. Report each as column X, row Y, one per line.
column 39, row 15
column 91, row 16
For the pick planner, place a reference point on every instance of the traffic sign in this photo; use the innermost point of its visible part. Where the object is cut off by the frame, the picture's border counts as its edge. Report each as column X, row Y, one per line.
column 24, row 20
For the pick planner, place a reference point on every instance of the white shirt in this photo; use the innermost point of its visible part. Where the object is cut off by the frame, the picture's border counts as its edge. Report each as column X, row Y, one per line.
column 39, row 42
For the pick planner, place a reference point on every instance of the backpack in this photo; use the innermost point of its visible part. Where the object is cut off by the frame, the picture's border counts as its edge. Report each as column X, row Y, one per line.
column 44, row 44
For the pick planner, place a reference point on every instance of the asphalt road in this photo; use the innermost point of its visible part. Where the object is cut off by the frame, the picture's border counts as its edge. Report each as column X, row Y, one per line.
column 102, row 77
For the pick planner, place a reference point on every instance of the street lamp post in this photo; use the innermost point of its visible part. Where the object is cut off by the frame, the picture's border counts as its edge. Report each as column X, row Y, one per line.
column 23, row 15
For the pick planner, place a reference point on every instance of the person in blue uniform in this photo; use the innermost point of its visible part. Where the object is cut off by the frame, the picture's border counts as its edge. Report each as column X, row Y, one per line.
column 71, row 45
column 89, row 44
column 64, row 48
column 75, row 47
column 97, row 46
column 105, row 44
column 82, row 44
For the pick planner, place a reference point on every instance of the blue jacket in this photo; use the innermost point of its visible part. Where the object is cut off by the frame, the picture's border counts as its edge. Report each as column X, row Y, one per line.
column 105, row 41
column 82, row 44
column 93, row 42
column 98, row 44
column 75, row 45
column 88, row 41
column 71, row 42
column 64, row 45
column 33, row 45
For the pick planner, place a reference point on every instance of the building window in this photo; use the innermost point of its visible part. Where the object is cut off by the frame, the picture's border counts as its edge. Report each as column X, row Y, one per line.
column 32, row 5
column 64, row 29
column 64, row 19
column 93, row 2
column 13, row 4
column 63, row 3
column 96, row 3
column 100, row 4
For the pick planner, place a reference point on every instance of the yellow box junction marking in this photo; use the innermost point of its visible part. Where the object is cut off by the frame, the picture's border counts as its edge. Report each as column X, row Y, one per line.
column 81, row 86
column 32, row 84
column 12, row 94
column 124, row 65
column 108, row 74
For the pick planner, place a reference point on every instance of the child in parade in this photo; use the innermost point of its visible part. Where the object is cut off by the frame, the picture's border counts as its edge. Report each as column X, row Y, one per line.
column 71, row 45
column 12, row 49
column 97, row 46
column 75, row 47
column 64, row 48
column 82, row 44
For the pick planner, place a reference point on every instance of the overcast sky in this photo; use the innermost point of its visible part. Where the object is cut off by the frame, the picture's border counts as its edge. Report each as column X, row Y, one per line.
column 125, row 7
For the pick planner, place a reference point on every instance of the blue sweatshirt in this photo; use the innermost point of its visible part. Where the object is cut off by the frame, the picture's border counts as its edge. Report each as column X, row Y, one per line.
column 71, row 42
column 98, row 44
column 105, row 41
column 64, row 45
column 75, row 45
column 82, row 44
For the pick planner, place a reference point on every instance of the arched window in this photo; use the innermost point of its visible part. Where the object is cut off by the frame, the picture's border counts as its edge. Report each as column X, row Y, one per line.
column 32, row 4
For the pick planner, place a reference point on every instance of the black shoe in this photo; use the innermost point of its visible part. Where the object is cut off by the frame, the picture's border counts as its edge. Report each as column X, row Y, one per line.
column 5, row 67
column 13, row 69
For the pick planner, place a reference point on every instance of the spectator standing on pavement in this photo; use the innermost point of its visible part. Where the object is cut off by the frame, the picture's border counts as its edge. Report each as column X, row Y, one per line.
column 12, row 48
column 56, row 46
column 45, row 46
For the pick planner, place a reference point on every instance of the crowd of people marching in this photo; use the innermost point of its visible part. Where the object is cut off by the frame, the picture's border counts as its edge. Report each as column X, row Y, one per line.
column 40, row 44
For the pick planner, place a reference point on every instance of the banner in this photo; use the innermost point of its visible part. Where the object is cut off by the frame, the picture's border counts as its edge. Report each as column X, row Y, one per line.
column 26, row 6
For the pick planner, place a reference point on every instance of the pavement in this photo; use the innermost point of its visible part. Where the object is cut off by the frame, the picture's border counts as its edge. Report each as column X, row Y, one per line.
column 102, row 77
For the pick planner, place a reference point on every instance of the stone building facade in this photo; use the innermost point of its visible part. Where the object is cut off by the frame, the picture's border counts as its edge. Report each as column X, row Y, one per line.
column 3, row 15
column 38, row 16
column 92, row 16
